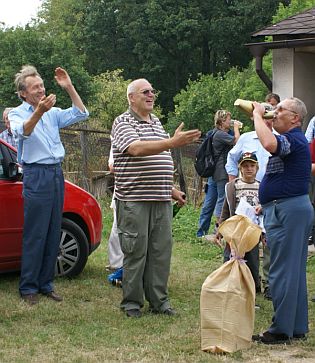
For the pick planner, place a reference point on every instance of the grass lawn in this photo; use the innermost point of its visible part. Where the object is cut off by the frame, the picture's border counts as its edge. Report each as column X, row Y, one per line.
column 88, row 325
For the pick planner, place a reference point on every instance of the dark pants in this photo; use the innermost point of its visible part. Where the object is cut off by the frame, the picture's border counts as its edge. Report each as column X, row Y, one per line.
column 252, row 261
column 43, row 192
column 145, row 234
column 288, row 223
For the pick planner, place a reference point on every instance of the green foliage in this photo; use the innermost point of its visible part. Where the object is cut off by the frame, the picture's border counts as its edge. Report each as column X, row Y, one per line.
column 170, row 42
column 109, row 99
column 197, row 104
column 295, row 7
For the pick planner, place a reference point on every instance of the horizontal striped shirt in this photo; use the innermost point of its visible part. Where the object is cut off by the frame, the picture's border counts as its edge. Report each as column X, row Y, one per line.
column 140, row 178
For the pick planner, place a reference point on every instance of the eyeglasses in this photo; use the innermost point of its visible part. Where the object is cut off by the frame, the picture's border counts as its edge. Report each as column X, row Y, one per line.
column 146, row 92
column 281, row 108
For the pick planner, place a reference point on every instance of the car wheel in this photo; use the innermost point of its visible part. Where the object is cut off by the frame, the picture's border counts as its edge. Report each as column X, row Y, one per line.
column 73, row 250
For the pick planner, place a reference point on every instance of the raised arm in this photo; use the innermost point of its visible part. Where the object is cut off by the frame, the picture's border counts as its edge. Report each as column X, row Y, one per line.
column 265, row 135
column 64, row 81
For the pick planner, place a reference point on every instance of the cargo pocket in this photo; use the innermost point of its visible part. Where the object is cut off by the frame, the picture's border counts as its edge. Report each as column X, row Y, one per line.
column 127, row 240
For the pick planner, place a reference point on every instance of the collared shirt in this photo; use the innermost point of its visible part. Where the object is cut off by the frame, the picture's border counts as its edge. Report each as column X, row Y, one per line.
column 9, row 138
column 43, row 145
column 310, row 131
column 248, row 142
column 140, row 178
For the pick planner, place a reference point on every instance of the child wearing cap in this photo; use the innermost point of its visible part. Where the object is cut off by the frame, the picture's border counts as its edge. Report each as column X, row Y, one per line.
column 246, row 186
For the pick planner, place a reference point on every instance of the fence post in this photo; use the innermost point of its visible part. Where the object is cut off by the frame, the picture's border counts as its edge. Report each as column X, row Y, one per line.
column 181, row 176
column 85, row 164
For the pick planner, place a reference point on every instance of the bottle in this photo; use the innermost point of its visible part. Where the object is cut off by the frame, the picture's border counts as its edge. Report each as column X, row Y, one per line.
column 177, row 207
column 238, row 122
column 247, row 107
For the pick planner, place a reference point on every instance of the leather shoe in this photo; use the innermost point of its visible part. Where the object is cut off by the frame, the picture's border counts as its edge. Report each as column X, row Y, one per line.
column 299, row 337
column 271, row 338
column 53, row 296
column 133, row 313
column 31, row 299
column 169, row 311
column 267, row 294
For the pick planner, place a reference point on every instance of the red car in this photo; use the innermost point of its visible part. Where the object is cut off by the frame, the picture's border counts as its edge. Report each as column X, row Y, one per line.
column 81, row 225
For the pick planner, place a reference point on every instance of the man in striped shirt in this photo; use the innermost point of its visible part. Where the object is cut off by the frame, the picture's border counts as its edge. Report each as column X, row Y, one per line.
column 144, row 189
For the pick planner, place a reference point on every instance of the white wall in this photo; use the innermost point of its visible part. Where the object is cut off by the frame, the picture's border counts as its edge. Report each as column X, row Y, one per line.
column 294, row 76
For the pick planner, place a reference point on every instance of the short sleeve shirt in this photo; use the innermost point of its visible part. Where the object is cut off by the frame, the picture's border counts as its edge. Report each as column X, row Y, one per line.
column 140, row 178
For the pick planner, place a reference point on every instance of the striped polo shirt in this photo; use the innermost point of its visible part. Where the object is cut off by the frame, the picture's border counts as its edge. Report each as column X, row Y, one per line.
column 140, row 178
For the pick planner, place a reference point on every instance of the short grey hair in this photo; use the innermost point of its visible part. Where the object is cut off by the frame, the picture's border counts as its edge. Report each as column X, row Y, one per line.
column 299, row 107
column 19, row 80
column 132, row 86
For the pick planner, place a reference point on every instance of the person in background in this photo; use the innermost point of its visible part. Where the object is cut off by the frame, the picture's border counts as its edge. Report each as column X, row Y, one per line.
column 245, row 187
column 36, row 123
column 288, row 217
column 249, row 142
column 7, row 135
column 222, row 143
column 144, row 190
column 115, row 254
column 273, row 99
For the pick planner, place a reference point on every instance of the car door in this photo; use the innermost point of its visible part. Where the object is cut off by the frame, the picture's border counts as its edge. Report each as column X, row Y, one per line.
column 11, row 212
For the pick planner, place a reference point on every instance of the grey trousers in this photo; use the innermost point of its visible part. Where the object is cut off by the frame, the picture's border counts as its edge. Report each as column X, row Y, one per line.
column 145, row 235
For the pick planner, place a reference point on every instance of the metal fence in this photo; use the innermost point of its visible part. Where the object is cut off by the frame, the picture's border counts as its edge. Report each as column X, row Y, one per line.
column 86, row 163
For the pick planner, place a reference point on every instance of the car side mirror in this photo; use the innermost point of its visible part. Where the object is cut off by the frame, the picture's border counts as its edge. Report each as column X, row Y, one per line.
column 15, row 171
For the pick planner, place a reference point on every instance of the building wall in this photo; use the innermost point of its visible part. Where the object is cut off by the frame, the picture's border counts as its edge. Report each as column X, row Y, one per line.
column 304, row 80
column 294, row 76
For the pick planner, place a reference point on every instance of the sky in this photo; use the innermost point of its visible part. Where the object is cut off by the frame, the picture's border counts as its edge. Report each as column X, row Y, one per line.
column 18, row 12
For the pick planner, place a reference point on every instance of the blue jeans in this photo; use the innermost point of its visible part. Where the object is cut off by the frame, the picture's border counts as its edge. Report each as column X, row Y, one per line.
column 213, row 203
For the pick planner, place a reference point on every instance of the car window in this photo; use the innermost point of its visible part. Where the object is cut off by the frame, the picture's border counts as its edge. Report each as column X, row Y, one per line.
column 7, row 156
column 1, row 165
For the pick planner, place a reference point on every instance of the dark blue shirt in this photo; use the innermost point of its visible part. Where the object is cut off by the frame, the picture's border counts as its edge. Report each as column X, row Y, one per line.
column 289, row 168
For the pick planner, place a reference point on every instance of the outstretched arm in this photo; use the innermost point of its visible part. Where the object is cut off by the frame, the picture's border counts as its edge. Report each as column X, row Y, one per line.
column 64, row 81
column 180, row 138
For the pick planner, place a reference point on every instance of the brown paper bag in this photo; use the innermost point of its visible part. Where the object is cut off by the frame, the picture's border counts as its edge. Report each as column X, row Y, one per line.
column 227, row 301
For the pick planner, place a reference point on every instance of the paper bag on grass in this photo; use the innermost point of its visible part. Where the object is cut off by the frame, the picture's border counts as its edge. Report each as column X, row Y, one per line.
column 227, row 301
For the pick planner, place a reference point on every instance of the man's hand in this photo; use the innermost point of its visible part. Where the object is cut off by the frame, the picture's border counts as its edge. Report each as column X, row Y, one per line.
column 259, row 109
column 46, row 103
column 182, row 138
column 62, row 78
column 179, row 196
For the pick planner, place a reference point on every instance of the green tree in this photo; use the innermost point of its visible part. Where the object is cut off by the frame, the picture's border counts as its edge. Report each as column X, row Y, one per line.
column 197, row 104
column 170, row 42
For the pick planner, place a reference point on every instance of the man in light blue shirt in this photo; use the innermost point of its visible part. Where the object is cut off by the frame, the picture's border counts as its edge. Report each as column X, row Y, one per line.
column 36, row 123
column 249, row 142
column 7, row 135
column 310, row 131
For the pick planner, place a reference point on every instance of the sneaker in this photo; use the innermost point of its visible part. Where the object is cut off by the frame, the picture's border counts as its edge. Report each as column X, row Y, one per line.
column 210, row 237
column 313, row 298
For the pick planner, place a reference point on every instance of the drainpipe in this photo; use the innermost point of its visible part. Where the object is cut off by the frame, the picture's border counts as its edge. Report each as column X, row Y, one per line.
column 258, row 50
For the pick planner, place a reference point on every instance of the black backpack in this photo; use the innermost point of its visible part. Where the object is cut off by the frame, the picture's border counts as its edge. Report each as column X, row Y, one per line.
column 205, row 161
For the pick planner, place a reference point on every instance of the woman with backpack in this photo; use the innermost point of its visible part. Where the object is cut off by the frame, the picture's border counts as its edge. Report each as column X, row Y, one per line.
column 222, row 141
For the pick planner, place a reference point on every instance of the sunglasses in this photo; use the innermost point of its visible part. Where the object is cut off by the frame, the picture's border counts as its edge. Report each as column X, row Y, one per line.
column 146, row 92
